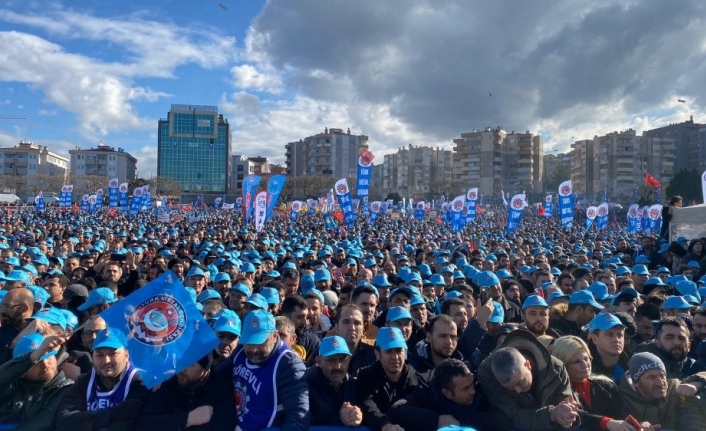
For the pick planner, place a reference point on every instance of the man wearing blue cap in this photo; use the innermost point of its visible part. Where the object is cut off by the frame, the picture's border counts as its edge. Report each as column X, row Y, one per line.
column 227, row 328
column 99, row 299
column 581, row 309
column 269, row 379
column 111, row 395
column 386, row 381
column 350, row 327
column 488, row 280
column 31, row 385
column 331, row 388
column 535, row 316
column 606, row 335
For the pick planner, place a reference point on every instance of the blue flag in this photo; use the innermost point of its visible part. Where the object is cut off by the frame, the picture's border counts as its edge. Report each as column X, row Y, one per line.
column 420, row 211
column 633, row 218
column 548, row 208
column 39, row 201
column 92, row 199
column 113, row 199
column 457, row 218
column 344, row 200
column 471, row 203
column 566, row 204
column 67, row 194
column 296, row 207
column 365, row 168
column 99, row 199
column 136, row 201
column 274, row 189
column 84, row 203
column 165, row 331
column 250, row 186
column 375, row 208
column 516, row 205
column 123, row 201
column 217, row 203
column 602, row 218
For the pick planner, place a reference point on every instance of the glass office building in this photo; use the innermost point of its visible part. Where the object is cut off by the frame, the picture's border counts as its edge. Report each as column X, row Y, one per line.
column 194, row 147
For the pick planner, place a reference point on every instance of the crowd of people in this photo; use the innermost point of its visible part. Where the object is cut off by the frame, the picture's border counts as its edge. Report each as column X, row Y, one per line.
column 397, row 325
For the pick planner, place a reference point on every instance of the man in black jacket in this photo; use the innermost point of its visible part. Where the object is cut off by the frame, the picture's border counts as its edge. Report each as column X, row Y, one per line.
column 451, row 399
column 331, row 389
column 671, row 345
column 193, row 399
column 388, row 380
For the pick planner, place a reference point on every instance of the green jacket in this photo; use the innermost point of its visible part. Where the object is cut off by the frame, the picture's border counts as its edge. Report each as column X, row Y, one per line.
column 692, row 413
column 550, row 383
column 33, row 405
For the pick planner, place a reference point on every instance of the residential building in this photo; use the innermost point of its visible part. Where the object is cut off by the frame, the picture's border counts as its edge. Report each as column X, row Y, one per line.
column 582, row 167
column 494, row 160
column 242, row 167
column 262, row 165
column 690, row 152
column 103, row 161
column 418, row 172
column 27, row 160
column 332, row 153
column 194, row 147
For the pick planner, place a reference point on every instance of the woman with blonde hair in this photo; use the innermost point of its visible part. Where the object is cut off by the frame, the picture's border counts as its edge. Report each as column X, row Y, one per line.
column 598, row 395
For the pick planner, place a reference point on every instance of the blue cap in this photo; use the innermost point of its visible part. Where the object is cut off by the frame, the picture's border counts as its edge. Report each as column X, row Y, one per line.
column 453, row 295
column 405, row 290
column 41, row 296
column 52, row 315
column 424, row 270
column 288, row 265
column 599, row 290
column 258, row 325
column 248, row 268
column 332, row 346
column 398, row 313
column 240, row 288
column 487, row 279
column 228, row 321
column 30, row 343
column 498, row 315
column 207, row 294
column 417, row 300
column 654, row 281
column 676, row 303
column 642, row 259
column 19, row 275
column 99, row 296
column 71, row 319
column 109, row 339
column 534, row 301
column 603, row 322
column 437, row 280
column 687, row 288
column 503, row 273
column 584, row 297
column 380, row 280
column 663, row 270
column 693, row 264
column 640, row 270
column 622, row 270
column 195, row 271
column 271, row 295
column 390, row 338
column 322, row 275
column 221, row 277
column 258, row 301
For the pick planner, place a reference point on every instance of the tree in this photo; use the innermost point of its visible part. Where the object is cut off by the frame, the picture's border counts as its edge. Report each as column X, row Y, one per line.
column 394, row 196
column 306, row 186
column 558, row 175
column 687, row 184
column 165, row 186
column 88, row 184
column 34, row 184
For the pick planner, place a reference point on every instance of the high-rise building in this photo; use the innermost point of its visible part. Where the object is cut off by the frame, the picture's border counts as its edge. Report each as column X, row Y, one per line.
column 103, row 161
column 194, row 147
column 494, row 160
column 421, row 173
column 27, row 160
column 582, row 167
column 333, row 153
column 689, row 151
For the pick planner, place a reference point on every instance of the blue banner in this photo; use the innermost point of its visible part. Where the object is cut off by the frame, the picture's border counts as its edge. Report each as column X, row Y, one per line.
column 384, row 207
column 375, row 208
column 656, row 218
column 514, row 217
column 123, row 201
column 633, row 218
column 602, row 218
column 420, row 211
column 274, row 188
column 165, row 331
column 136, row 201
column 92, row 199
column 39, row 201
column 645, row 218
column 457, row 219
column 217, row 203
column 566, row 204
column 328, row 221
column 146, row 203
column 296, row 207
column 66, row 197
column 365, row 168
column 591, row 213
column 250, row 186
column 239, row 203
column 471, row 203
column 548, row 207
column 84, row 203
column 113, row 199
column 343, row 195
column 99, row 199
column 366, row 208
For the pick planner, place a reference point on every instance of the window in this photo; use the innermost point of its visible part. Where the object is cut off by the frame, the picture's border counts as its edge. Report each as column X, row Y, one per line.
column 240, row 168
column 238, row 185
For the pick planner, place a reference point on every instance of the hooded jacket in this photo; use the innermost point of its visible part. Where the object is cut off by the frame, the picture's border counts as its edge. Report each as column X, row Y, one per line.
column 550, row 386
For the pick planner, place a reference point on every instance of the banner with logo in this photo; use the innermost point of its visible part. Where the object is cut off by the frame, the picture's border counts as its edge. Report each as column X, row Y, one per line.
column 146, row 203
column 84, row 203
column 517, row 205
column 591, row 214
column 471, row 203
column 274, row 188
column 123, row 201
column 633, row 218
column 113, row 199
column 164, row 330
column 457, row 220
column 228, row 206
column 260, row 210
column 250, row 185
column 92, row 199
column 296, row 207
column 566, row 204
column 419, row 212
column 365, row 168
column 548, row 207
column 217, row 202
column 375, row 207
column 343, row 195
column 602, row 218
column 655, row 218
column 703, row 185
column 136, row 201
column 39, row 202
column 645, row 218
column 99, row 199
column 238, row 203
column 67, row 196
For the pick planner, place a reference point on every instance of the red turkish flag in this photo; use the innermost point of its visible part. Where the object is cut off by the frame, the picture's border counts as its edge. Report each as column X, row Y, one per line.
column 541, row 210
column 650, row 180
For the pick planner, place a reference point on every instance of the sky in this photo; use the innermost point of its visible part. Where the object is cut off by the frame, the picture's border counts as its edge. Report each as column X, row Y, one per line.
column 402, row 72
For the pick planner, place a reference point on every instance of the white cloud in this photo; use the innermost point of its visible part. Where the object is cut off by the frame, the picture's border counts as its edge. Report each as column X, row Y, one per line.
column 146, row 161
column 247, row 77
column 47, row 112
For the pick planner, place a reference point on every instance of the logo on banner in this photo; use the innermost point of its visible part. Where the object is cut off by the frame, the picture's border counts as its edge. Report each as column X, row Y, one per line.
column 548, row 199
column 113, row 184
column 591, row 213
column 517, row 203
column 472, row 195
column 123, row 188
column 99, row 192
column 458, row 205
column 295, row 207
column 138, row 192
column 239, row 200
column 602, row 211
column 633, row 212
column 92, row 200
column 157, row 321
column 420, row 205
column 365, row 159
column 273, row 186
column 375, row 206
column 565, row 190
column 342, row 189
column 65, row 189
column 654, row 213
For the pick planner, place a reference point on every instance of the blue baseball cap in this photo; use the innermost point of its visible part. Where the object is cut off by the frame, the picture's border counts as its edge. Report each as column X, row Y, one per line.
column 534, row 301
column 322, row 275
column 498, row 315
column 417, row 300
column 52, row 315
column 109, row 339
column 380, row 280
column 676, row 303
column 195, row 271
column 240, row 288
column 486, row 279
column 398, row 313
column 207, row 294
column 504, row 273
column 258, row 325
column 437, row 280
column 221, row 277
column 228, row 321
column 258, row 301
column 404, row 290
column 390, row 338
column 271, row 295
column 248, row 268
column 584, row 297
column 99, row 296
column 30, row 343
column 640, row 270
column 332, row 346
column 603, row 322
column 71, row 319
column 599, row 290
column 686, row 287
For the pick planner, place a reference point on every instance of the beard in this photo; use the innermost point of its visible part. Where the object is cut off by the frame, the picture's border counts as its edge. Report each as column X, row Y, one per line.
column 538, row 328
column 678, row 354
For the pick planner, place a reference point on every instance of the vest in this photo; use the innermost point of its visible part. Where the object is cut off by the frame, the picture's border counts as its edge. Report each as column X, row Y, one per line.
column 256, row 390
column 96, row 400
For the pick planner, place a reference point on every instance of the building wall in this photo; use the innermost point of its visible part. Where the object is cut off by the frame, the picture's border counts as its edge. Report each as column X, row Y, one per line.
column 242, row 167
column 103, row 161
column 582, row 167
column 686, row 153
column 422, row 173
column 333, row 153
column 28, row 159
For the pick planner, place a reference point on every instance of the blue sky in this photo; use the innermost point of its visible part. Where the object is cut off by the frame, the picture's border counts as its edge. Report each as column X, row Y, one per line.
column 398, row 71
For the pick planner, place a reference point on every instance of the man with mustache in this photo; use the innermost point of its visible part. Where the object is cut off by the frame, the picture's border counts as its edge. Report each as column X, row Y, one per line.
column 16, row 307
column 671, row 344
column 331, row 388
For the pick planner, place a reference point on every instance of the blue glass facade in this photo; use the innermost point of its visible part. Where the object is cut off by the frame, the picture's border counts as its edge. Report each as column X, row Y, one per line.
column 194, row 147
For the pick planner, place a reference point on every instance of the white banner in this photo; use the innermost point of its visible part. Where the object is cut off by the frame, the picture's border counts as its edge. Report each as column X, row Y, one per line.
column 260, row 210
